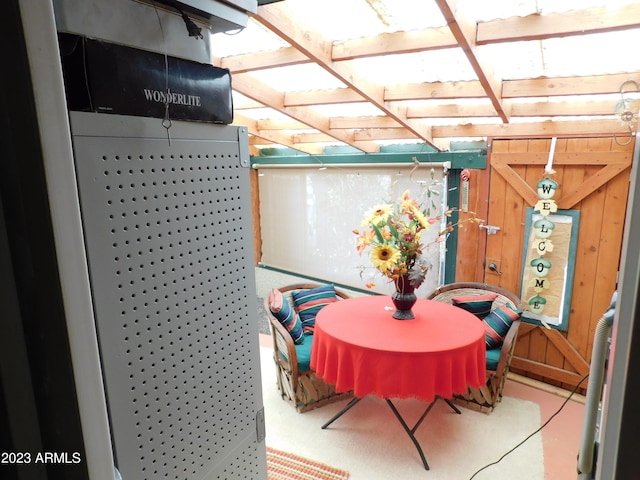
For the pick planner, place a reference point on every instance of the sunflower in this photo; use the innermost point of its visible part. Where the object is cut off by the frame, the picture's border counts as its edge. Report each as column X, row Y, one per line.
column 378, row 214
column 422, row 220
column 393, row 233
column 384, row 257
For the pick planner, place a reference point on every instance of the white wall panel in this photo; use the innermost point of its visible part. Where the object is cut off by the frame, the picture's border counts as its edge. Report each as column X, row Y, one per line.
column 307, row 217
column 170, row 247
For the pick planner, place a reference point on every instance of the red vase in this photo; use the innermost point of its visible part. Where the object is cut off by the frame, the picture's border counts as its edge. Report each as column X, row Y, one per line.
column 403, row 298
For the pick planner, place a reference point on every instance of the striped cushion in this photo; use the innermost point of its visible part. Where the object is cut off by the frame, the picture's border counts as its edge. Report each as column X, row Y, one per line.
column 309, row 302
column 286, row 315
column 479, row 305
column 497, row 324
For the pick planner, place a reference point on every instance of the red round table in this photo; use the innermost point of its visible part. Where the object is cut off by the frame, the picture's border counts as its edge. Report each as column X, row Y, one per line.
column 359, row 346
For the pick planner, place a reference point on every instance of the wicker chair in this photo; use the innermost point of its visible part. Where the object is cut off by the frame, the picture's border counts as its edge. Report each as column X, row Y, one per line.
column 485, row 398
column 302, row 388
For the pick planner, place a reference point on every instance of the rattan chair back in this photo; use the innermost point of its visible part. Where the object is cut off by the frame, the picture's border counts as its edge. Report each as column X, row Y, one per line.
column 488, row 396
column 302, row 389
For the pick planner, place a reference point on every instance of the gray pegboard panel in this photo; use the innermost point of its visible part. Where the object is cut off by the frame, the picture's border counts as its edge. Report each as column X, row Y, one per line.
column 170, row 246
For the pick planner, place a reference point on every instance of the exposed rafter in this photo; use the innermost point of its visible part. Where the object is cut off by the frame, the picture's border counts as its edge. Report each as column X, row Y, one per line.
column 254, row 89
column 427, row 112
column 315, row 46
column 577, row 22
column 532, row 27
column 464, row 30
column 274, row 136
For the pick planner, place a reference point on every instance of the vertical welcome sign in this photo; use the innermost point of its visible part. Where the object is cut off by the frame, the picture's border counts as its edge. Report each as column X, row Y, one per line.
column 549, row 259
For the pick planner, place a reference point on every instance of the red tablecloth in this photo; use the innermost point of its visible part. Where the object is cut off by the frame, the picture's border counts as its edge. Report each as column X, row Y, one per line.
column 359, row 346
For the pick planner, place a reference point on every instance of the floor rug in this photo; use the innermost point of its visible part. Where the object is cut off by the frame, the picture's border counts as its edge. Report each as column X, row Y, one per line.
column 370, row 444
column 287, row 466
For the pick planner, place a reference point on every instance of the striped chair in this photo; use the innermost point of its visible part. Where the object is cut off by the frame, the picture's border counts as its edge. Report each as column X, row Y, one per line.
column 298, row 384
column 485, row 398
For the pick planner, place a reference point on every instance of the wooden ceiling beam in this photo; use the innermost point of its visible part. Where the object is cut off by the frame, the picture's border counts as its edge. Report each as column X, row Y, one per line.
column 283, row 57
column 531, row 27
column 276, row 17
column 409, row 123
column 563, row 109
column 537, row 87
column 435, row 90
column 577, row 22
column 393, row 43
column 248, row 105
column 302, row 141
column 310, row 138
column 281, row 124
column 533, row 109
column 512, row 130
column 252, row 88
column 566, row 86
column 368, row 134
column 384, row 134
column 540, row 129
column 464, row 30
column 272, row 136
column 363, row 122
column 255, row 140
column 307, row 139
column 454, row 110
column 322, row 97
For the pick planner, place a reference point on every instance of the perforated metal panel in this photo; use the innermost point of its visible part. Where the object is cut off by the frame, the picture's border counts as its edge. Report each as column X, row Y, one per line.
column 169, row 236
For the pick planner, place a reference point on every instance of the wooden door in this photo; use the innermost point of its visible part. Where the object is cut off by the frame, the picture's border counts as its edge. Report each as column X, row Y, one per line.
column 593, row 177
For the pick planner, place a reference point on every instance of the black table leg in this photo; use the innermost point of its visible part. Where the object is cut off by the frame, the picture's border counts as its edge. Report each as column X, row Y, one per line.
column 410, row 431
column 424, row 415
column 342, row 412
column 453, row 407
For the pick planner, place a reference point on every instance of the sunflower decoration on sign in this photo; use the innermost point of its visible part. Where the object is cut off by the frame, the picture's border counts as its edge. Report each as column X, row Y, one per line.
column 392, row 232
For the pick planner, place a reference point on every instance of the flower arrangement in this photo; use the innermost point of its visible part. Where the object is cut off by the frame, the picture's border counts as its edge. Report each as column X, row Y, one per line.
column 393, row 233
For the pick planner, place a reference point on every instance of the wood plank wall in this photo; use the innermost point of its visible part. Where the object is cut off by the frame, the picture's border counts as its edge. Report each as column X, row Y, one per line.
column 558, row 358
column 472, row 240
column 255, row 210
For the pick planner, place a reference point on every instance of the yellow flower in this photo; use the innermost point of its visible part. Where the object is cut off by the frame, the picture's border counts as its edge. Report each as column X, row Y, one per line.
column 422, row 220
column 378, row 214
column 384, row 257
column 393, row 234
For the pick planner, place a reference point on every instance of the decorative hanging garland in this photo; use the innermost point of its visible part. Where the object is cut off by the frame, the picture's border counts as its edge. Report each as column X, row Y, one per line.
column 548, row 267
column 540, row 266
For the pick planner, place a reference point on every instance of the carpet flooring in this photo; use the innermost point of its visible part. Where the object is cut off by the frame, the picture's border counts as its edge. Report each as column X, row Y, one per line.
column 369, row 442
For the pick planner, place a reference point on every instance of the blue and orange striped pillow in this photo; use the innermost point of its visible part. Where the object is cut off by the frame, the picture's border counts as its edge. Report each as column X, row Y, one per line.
column 497, row 324
column 309, row 302
column 479, row 305
column 286, row 315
